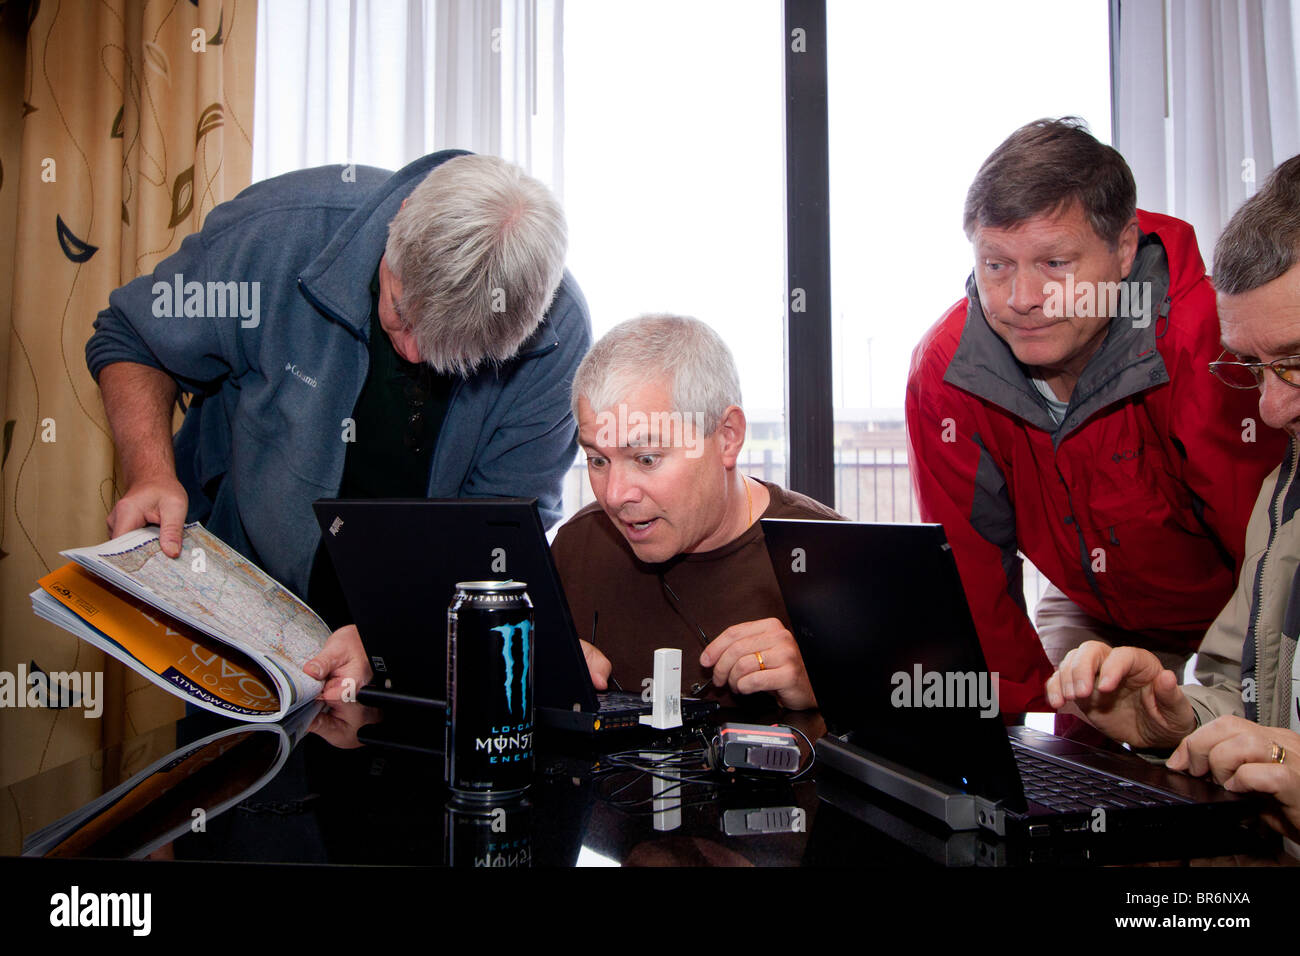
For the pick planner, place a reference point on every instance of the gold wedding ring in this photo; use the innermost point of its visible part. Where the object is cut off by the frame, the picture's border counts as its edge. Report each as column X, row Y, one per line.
column 1277, row 754
column 763, row 667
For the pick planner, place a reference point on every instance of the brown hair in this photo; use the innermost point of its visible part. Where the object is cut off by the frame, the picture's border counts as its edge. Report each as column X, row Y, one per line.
column 1259, row 242
column 1046, row 165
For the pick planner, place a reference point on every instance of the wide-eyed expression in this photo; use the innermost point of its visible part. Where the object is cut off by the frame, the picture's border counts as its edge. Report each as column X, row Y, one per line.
column 662, row 483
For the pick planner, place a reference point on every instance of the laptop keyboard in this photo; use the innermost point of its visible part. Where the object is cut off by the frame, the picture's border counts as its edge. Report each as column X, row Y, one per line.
column 621, row 700
column 1066, row 789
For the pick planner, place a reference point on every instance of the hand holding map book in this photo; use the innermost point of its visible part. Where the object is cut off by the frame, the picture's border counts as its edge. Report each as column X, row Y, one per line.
column 209, row 626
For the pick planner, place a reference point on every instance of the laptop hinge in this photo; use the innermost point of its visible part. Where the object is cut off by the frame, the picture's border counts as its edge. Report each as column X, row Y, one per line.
column 930, row 796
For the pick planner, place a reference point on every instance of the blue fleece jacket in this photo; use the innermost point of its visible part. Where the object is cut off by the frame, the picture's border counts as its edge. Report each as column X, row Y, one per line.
column 270, row 390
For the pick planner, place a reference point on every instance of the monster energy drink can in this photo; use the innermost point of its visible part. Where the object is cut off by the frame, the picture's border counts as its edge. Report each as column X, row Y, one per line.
column 489, row 690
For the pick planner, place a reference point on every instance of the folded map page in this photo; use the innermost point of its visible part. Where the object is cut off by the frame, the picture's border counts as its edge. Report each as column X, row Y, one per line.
column 176, row 655
column 210, row 588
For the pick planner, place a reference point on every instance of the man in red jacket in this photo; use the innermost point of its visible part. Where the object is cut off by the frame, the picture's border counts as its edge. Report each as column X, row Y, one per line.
column 1064, row 410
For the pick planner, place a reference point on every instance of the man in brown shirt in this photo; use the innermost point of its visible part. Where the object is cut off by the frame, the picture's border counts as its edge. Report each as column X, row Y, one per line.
column 671, row 554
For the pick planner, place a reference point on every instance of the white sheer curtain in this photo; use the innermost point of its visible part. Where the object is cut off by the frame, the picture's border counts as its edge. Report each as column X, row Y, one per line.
column 382, row 82
column 1207, row 102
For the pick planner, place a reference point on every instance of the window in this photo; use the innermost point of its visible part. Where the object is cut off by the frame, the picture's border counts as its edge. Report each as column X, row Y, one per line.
column 920, row 94
column 674, row 184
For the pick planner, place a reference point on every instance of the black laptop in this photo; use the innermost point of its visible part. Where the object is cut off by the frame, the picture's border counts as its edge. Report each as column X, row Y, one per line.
column 398, row 562
column 892, row 653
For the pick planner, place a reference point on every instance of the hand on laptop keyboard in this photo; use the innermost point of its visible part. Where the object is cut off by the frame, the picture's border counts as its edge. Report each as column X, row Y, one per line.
column 598, row 665
column 1243, row 756
column 1125, row 692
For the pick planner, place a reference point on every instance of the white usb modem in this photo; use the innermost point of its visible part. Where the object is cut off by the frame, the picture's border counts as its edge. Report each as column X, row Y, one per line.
column 666, row 690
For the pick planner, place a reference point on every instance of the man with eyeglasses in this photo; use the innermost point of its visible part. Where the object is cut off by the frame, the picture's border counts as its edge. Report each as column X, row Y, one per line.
column 1063, row 410
column 671, row 553
column 405, row 334
column 1241, row 723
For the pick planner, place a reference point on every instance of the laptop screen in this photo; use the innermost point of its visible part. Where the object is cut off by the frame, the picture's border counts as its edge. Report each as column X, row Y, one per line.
column 399, row 560
column 886, row 635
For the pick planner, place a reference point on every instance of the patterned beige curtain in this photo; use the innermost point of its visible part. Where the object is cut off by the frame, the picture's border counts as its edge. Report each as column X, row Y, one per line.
column 124, row 123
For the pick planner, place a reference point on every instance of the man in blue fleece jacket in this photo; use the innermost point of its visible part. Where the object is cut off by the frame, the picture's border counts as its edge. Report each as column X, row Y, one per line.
column 270, row 318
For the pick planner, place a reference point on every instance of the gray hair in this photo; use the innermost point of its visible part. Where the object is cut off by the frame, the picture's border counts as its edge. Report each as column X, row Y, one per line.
column 1259, row 242
column 672, row 349
column 479, row 250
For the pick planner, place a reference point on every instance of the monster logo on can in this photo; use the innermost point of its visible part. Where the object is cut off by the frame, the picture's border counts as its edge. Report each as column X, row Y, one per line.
column 490, row 651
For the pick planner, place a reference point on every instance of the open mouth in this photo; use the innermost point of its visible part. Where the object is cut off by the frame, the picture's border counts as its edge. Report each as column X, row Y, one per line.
column 636, row 529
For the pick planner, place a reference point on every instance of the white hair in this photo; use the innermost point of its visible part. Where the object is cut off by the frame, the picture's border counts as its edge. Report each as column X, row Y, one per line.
column 479, row 250
column 672, row 349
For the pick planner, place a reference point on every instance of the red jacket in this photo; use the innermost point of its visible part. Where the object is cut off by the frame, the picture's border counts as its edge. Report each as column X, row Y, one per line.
column 1135, row 506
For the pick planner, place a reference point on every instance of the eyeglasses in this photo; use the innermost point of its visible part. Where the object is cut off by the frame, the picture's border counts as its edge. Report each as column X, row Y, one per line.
column 1251, row 374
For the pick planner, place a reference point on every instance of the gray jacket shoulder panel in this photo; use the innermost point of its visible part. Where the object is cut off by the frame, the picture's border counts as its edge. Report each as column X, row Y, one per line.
column 1127, row 362
column 1244, row 662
